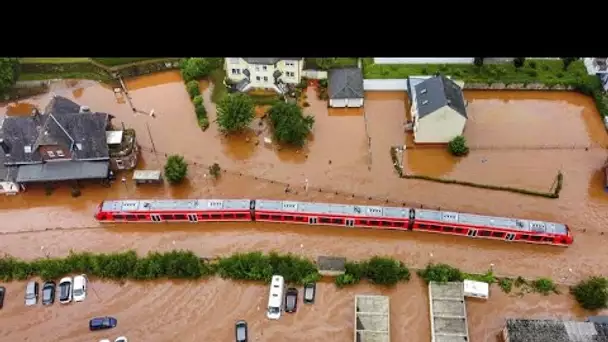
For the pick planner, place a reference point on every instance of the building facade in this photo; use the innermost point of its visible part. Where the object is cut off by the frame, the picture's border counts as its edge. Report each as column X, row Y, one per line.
column 263, row 73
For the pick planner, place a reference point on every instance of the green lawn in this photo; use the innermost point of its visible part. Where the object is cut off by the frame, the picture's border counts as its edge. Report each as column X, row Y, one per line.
column 63, row 75
column 116, row 61
column 53, row 60
column 219, row 89
column 545, row 71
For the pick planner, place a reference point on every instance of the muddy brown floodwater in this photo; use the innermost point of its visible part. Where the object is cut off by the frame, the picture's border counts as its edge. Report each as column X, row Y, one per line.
column 517, row 139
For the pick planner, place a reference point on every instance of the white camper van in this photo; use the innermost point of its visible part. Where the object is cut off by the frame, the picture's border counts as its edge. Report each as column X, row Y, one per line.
column 275, row 298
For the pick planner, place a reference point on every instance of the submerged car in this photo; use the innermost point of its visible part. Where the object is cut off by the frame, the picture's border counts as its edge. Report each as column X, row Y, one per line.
column 240, row 331
column 48, row 293
column 121, row 339
column 65, row 290
column 102, row 323
column 79, row 288
column 2, row 292
column 310, row 290
column 31, row 293
column 291, row 300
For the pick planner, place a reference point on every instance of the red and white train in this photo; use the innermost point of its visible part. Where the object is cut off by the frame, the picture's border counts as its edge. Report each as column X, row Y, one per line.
column 361, row 216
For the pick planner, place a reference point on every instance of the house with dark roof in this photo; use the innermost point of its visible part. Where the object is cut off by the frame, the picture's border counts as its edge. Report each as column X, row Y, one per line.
column 438, row 110
column 345, row 87
column 538, row 330
column 273, row 73
column 66, row 142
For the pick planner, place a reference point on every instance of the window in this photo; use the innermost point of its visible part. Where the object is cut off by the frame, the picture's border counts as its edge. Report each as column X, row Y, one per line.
column 264, row 217
column 60, row 153
column 236, row 71
column 119, row 163
column 27, row 149
column 448, row 229
column 79, row 146
column 180, row 217
column 288, row 218
column 525, row 236
column 337, row 221
column 257, row 78
column 324, row 220
column 290, row 73
column 166, row 217
column 386, row 223
column 118, row 217
column 275, row 217
column 240, row 216
column 216, row 216
column 141, row 217
column 498, row 234
column 299, row 218
column 289, row 64
column 484, row 233
column 265, row 78
column 257, row 68
column 264, row 68
column 458, row 230
column 51, row 154
column 425, row 102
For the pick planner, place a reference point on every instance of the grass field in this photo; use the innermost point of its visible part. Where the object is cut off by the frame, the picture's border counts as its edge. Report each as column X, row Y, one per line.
column 53, row 60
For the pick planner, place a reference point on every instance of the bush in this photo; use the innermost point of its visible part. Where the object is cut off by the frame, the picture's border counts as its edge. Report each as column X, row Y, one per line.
column 203, row 123
column 197, row 100
column 176, row 169
column 458, row 146
column 201, row 111
column 9, row 73
column 235, row 112
column 544, row 286
column 289, row 124
column 591, row 294
column 440, row 273
column 506, row 284
column 518, row 62
column 196, row 68
column 215, row 170
column 193, row 89
column 259, row 267
column 386, row 271
column 478, row 61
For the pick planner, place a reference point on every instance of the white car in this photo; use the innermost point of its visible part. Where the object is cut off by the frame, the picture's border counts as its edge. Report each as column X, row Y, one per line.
column 79, row 287
column 65, row 290
column 121, row 339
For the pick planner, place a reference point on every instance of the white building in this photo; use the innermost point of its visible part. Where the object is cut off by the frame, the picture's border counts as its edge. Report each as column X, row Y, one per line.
column 345, row 87
column 266, row 72
column 438, row 110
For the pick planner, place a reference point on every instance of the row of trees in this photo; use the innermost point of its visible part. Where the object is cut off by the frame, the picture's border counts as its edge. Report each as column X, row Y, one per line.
column 290, row 126
column 9, row 73
column 518, row 62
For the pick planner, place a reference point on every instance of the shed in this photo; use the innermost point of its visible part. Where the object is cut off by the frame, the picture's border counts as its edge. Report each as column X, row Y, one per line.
column 113, row 137
column 345, row 87
column 476, row 289
column 331, row 266
column 438, row 109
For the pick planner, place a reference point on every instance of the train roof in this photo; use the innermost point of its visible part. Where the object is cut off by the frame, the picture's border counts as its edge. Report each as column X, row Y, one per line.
column 492, row 221
column 332, row 209
column 186, row 204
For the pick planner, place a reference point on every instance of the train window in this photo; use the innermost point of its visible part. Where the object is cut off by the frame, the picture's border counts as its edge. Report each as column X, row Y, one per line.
column 448, row 229
column 423, row 226
column 324, row 220
column 458, row 230
column 434, row 227
column 535, row 238
column 166, row 217
column 498, row 234
column 386, row 223
column 131, row 217
column 338, row 221
column 119, row 217
column 275, row 217
column 264, row 217
column 179, row 217
column 484, row 233
column 288, row 218
column 205, row 217
column 228, row 216
column 373, row 223
column 300, row 218
column 525, row 236
column 399, row 224
column 548, row 239
column 216, row 216
column 240, row 216
column 141, row 217
column 363, row 222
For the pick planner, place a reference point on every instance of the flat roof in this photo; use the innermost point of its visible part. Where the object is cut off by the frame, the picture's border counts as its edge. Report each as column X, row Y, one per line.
column 448, row 312
column 113, row 137
column 372, row 319
column 62, row 171
column 146, row 174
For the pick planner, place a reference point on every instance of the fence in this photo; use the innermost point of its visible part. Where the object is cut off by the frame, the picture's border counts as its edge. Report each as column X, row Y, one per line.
column 315, row 74
column 385, row 85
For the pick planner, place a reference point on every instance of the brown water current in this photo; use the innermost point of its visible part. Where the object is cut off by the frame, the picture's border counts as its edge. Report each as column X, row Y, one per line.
column 517, row 138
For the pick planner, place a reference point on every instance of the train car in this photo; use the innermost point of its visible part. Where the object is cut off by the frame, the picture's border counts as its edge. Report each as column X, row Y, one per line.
column 175, row 210
column 364, row 216
column 491, row 227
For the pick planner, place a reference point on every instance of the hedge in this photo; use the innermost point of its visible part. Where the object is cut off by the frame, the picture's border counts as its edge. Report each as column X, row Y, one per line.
column 559, row 180
column 591, row 294
column 43, row 69
column 377, row 270
column 192, row 70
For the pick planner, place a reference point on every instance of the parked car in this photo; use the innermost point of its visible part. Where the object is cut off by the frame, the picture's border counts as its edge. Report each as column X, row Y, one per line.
column 48, row 293
column 79, row 288
column 240, row 331
column 291, row 300
column 2, row 292
column 31, row 293
column 121, row 339
column 102, row 323
column 65, row 290
column 310, row 290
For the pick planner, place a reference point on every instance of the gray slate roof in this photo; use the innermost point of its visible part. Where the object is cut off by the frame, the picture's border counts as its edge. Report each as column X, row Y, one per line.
column 267, row 60
column 345, row 83
column 62, row 171
column 437, row 92
column 62, row 127
column 526, row 330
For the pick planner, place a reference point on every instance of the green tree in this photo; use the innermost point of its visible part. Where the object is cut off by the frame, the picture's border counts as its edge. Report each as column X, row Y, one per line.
column 235, row 112
column 478, row 61
column 440, row 273
column 591, row 294
column 9, row 73
column 518, row 62
column 215, row 170
column 386, row 271
column 458, row 146
column 176, row 169
column 193, row 89
column 567, row 61
column 196, row 68
column 289, row 124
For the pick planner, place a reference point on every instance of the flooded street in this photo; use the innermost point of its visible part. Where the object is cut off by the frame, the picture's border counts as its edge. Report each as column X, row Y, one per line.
column 516, row 138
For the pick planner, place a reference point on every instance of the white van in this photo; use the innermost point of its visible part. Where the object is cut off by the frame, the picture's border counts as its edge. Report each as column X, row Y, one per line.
column 275, row 298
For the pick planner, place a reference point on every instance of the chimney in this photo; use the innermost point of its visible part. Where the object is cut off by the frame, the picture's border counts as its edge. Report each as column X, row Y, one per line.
column 84, row 109
column 5, row 146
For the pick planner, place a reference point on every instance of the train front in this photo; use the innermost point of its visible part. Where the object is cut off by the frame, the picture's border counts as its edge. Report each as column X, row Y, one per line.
column 99, row 214
column 569, row 237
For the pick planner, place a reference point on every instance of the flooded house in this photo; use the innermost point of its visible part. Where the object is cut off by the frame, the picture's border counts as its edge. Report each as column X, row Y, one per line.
column 539, row 330
column 273, row 73
column 438, row 110
column 345, row 87
column 67, row 142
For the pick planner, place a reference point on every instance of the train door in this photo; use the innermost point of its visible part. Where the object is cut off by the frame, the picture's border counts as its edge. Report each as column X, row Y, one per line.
column 192, row 218
column 312, row 220
column 510, row 237
column 349, row 222
column 155, row 217
column 472, row 233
